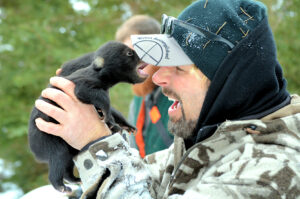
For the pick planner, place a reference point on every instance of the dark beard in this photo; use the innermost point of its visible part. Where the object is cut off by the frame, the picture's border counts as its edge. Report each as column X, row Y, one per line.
column 182, row 128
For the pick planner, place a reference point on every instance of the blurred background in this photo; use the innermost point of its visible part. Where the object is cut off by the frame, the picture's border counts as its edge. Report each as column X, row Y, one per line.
column 38, row 36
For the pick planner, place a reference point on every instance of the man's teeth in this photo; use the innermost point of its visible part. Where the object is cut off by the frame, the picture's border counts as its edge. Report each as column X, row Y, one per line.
column 176, row 104
column 173, row 100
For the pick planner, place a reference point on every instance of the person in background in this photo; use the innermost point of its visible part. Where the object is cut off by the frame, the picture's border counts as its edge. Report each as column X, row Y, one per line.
column 148, row 109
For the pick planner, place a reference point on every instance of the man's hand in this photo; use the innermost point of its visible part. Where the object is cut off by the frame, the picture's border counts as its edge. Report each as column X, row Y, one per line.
column 58, row 71
column 79, row 123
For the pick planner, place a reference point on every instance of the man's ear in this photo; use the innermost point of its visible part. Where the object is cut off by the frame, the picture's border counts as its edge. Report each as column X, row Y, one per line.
column 98, row 63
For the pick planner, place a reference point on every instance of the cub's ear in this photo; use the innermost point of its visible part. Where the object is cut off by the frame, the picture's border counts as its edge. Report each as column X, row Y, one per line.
column 98, row 63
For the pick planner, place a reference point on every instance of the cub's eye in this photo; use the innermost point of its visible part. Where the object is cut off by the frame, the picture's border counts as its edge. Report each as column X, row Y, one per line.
column 129, row 53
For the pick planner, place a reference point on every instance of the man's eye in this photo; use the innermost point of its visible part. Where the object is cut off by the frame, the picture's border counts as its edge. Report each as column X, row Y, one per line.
column 179, row 68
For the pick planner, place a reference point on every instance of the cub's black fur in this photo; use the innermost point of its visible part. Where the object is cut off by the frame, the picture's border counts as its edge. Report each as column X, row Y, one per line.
column 93, row 74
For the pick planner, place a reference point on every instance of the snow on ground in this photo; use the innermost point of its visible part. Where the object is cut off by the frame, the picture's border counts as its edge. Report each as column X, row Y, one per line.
column 10, row 190
column 48, row 192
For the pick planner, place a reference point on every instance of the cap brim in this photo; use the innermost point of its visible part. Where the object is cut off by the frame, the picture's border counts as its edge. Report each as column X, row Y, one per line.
column 159, row 50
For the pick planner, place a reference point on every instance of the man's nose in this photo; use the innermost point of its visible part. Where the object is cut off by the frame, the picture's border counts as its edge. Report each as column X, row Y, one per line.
column 162, row 76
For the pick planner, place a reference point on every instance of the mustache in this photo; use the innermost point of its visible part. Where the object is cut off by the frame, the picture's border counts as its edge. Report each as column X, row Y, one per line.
column 170, row 93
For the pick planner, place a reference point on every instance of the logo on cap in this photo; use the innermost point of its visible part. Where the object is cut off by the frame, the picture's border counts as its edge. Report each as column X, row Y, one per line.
column 151, row 50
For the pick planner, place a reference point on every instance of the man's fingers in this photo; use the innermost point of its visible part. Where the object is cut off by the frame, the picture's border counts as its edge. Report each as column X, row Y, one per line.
column 58, row 71
column 50, row 110
column 64, row 84
column 58, row 96
column 48, row 127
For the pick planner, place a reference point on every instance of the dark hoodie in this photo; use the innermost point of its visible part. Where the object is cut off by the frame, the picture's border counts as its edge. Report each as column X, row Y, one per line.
column 249, row 84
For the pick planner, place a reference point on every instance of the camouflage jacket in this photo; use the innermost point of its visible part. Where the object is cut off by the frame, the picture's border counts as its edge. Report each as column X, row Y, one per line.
column 242, row 159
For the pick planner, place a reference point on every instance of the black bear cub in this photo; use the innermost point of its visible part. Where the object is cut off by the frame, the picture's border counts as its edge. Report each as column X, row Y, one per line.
column 93, row 74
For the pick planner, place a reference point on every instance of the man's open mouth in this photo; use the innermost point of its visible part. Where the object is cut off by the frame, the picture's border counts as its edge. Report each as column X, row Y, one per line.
column 176, row 104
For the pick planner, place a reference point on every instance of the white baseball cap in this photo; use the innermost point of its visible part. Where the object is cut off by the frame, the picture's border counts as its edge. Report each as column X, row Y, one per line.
column 159, row 50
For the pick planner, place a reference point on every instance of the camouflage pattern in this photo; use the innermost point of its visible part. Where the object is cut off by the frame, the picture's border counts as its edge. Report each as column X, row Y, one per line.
column 243, row 159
